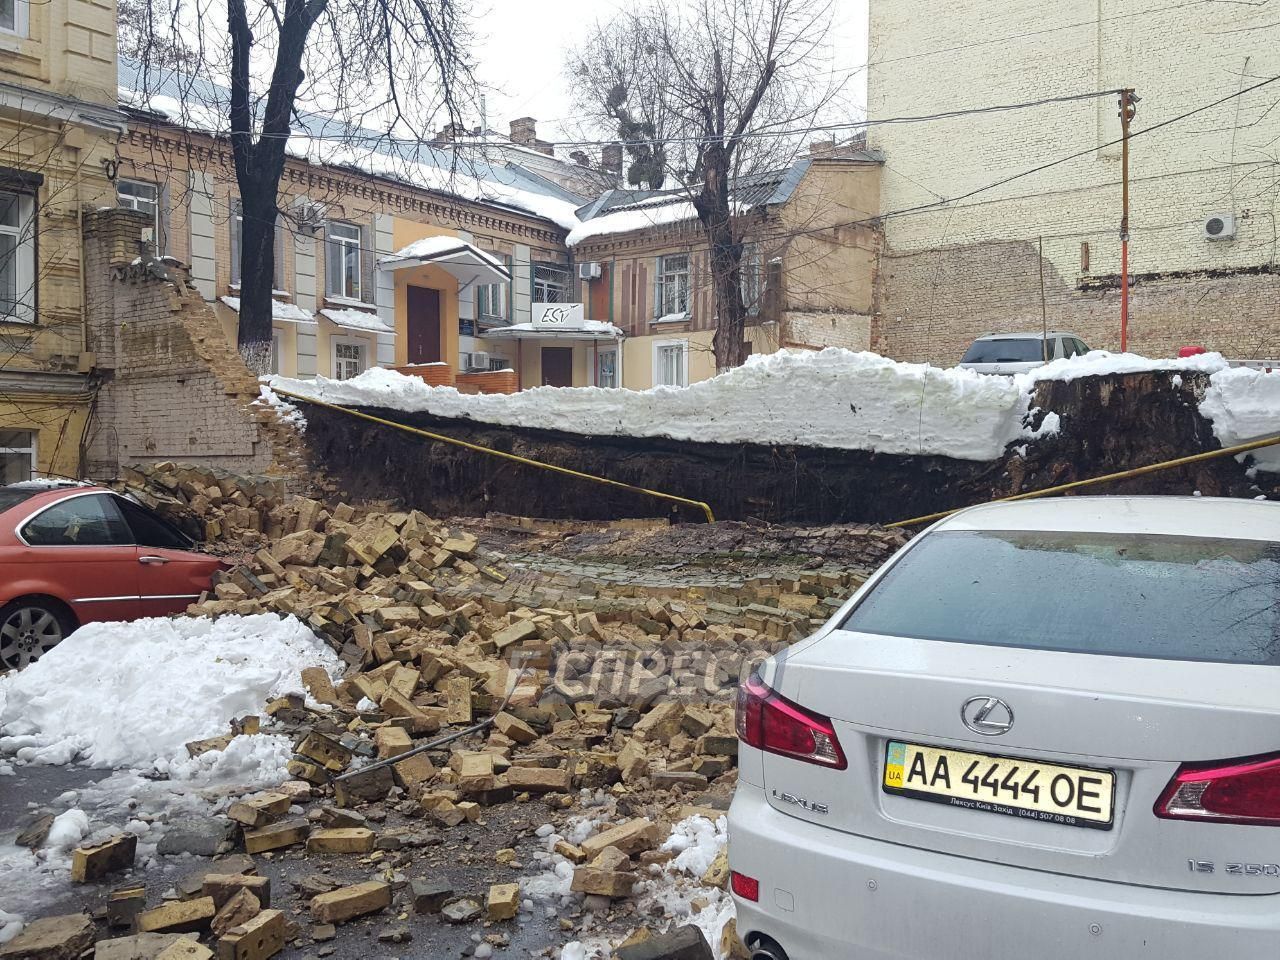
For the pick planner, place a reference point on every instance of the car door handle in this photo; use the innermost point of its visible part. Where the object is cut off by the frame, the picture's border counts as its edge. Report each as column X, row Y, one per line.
column 153, row 560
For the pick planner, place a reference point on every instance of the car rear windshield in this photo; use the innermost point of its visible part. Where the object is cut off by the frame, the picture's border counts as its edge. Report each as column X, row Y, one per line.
column 1160, row 597
column 11, row 498
column 1004, row 351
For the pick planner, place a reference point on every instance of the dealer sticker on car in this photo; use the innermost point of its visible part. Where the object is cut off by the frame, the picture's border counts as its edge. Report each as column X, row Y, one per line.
column 1015, row 787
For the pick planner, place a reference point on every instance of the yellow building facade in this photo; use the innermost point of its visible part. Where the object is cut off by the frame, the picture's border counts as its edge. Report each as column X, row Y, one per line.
column 58, row 130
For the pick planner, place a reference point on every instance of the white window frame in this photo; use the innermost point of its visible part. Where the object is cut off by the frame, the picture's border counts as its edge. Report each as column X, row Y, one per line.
column 336, row 342
column 236, row 227
column 21, row 21
column 276, row 342
column 658, row 347
column 600, row 355
column 32, row 449
column 24, row 259
column 131, row 201
column 491, row 300
column 667, row 303
column 335, row 282
column 555, row 278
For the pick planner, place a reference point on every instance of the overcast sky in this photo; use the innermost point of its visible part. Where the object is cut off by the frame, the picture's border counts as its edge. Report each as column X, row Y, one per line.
column 520, row 54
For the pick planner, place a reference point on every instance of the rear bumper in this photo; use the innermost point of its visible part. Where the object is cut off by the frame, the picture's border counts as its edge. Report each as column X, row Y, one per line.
column 825, row 894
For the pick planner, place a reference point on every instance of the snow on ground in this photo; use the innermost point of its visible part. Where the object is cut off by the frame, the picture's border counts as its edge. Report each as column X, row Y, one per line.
column 130, row 696
column 142, row 690
column 832, row 398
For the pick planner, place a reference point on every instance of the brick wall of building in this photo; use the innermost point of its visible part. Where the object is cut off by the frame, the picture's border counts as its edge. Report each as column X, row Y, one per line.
column 170, row 385
column 951, row 270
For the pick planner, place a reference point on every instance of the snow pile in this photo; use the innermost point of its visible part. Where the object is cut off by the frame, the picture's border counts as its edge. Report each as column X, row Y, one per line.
column 10, row 926
column 1244, row 405
column 286, row 412
column 133, row 694
column 835, row 398
column 831, row 398
column 697, row 842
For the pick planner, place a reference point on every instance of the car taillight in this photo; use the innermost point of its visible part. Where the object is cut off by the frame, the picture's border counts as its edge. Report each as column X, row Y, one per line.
column 1242, row 791
column 748, row 888
column 769, row 721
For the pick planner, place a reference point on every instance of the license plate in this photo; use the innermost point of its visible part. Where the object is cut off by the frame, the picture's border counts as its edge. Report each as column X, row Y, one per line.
column 1015, row 787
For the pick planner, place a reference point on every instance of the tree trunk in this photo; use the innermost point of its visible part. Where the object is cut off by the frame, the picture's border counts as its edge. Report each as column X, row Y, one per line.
column 712, row 204
column 257, row 276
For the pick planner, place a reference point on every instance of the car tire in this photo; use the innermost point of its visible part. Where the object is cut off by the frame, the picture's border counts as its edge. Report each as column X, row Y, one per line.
column 30, row 628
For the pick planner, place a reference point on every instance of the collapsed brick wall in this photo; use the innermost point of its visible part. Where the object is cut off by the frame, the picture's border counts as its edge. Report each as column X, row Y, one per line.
column 170, row 386
column 932, row 305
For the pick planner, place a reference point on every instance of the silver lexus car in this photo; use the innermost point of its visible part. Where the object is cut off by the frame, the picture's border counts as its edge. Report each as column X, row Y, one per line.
column 1048, row 729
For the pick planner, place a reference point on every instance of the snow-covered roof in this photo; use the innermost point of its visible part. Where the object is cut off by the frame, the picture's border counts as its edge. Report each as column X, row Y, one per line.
column 625, row 211
column 280, row 310
column 590, row 329
column 465, row 261
column 361, row 320
column 197, row 103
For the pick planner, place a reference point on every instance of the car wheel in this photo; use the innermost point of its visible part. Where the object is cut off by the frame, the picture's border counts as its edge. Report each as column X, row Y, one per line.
column 28, row 629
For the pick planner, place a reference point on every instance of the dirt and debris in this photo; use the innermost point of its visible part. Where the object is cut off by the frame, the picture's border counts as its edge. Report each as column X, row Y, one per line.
column 599, row 686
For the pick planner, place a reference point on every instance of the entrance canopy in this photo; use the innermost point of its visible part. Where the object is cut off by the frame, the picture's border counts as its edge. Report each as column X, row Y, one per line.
column 589, row 330
column 468, row 263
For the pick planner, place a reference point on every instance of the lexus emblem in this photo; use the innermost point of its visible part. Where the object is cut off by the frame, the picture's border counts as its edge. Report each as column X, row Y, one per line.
column 988, row 716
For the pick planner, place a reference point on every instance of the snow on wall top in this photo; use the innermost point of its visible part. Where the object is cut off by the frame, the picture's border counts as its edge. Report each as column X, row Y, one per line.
column 833, row 398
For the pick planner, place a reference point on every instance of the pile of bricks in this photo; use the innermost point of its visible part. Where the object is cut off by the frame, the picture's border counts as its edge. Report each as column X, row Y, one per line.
column 440, row 634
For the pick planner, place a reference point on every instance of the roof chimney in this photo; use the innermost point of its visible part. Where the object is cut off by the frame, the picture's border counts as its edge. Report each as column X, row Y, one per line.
column 579, row 158
column 822, row 148
column 524, row 131
column 611, row 159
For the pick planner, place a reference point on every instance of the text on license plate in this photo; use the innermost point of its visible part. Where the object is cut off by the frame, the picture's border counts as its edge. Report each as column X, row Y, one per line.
column 1015, row 787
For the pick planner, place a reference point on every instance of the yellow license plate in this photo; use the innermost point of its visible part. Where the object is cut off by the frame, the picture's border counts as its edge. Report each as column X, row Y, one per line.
column 1015, row 787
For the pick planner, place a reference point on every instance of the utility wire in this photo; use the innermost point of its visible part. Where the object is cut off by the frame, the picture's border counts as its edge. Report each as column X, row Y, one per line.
column 374, row 137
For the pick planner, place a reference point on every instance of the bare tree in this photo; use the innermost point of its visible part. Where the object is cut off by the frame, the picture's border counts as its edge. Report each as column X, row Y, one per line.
column 715, row 89
column 384, row 65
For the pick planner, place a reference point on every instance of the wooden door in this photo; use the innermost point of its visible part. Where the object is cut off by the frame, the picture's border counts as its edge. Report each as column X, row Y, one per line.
column 598, row 295
column 557, row 366
column 424, row 325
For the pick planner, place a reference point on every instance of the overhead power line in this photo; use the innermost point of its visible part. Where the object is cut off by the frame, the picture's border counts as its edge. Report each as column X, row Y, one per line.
column 373, row 137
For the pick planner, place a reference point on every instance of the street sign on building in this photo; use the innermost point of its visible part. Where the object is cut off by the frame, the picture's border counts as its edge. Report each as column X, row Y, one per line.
column 559, row 316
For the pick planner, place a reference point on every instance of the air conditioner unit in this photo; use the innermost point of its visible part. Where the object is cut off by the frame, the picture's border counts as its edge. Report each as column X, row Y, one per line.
column 1220, row 226
column 311, row 215
column 589, row 271
column 477, row 360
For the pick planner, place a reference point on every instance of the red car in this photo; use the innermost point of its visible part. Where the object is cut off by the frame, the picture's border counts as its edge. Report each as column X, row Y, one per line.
column 72, row 554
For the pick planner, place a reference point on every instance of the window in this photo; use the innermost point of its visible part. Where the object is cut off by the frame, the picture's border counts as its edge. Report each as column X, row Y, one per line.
column 751, row 280
column 275, row 351
column 499, row 363
column 607, row 368
column 671, row 363
column 1202, row 598
column 17, row 258
column 491, row 302
column 237, row 238
column 88, row 521
column 145, row 198
column 13, row 17
column 673, row 285
column 1006, row 351
column 550, row 283
column 348, row 359
column 17, row 455
column 342, row 260
column 150, row 530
